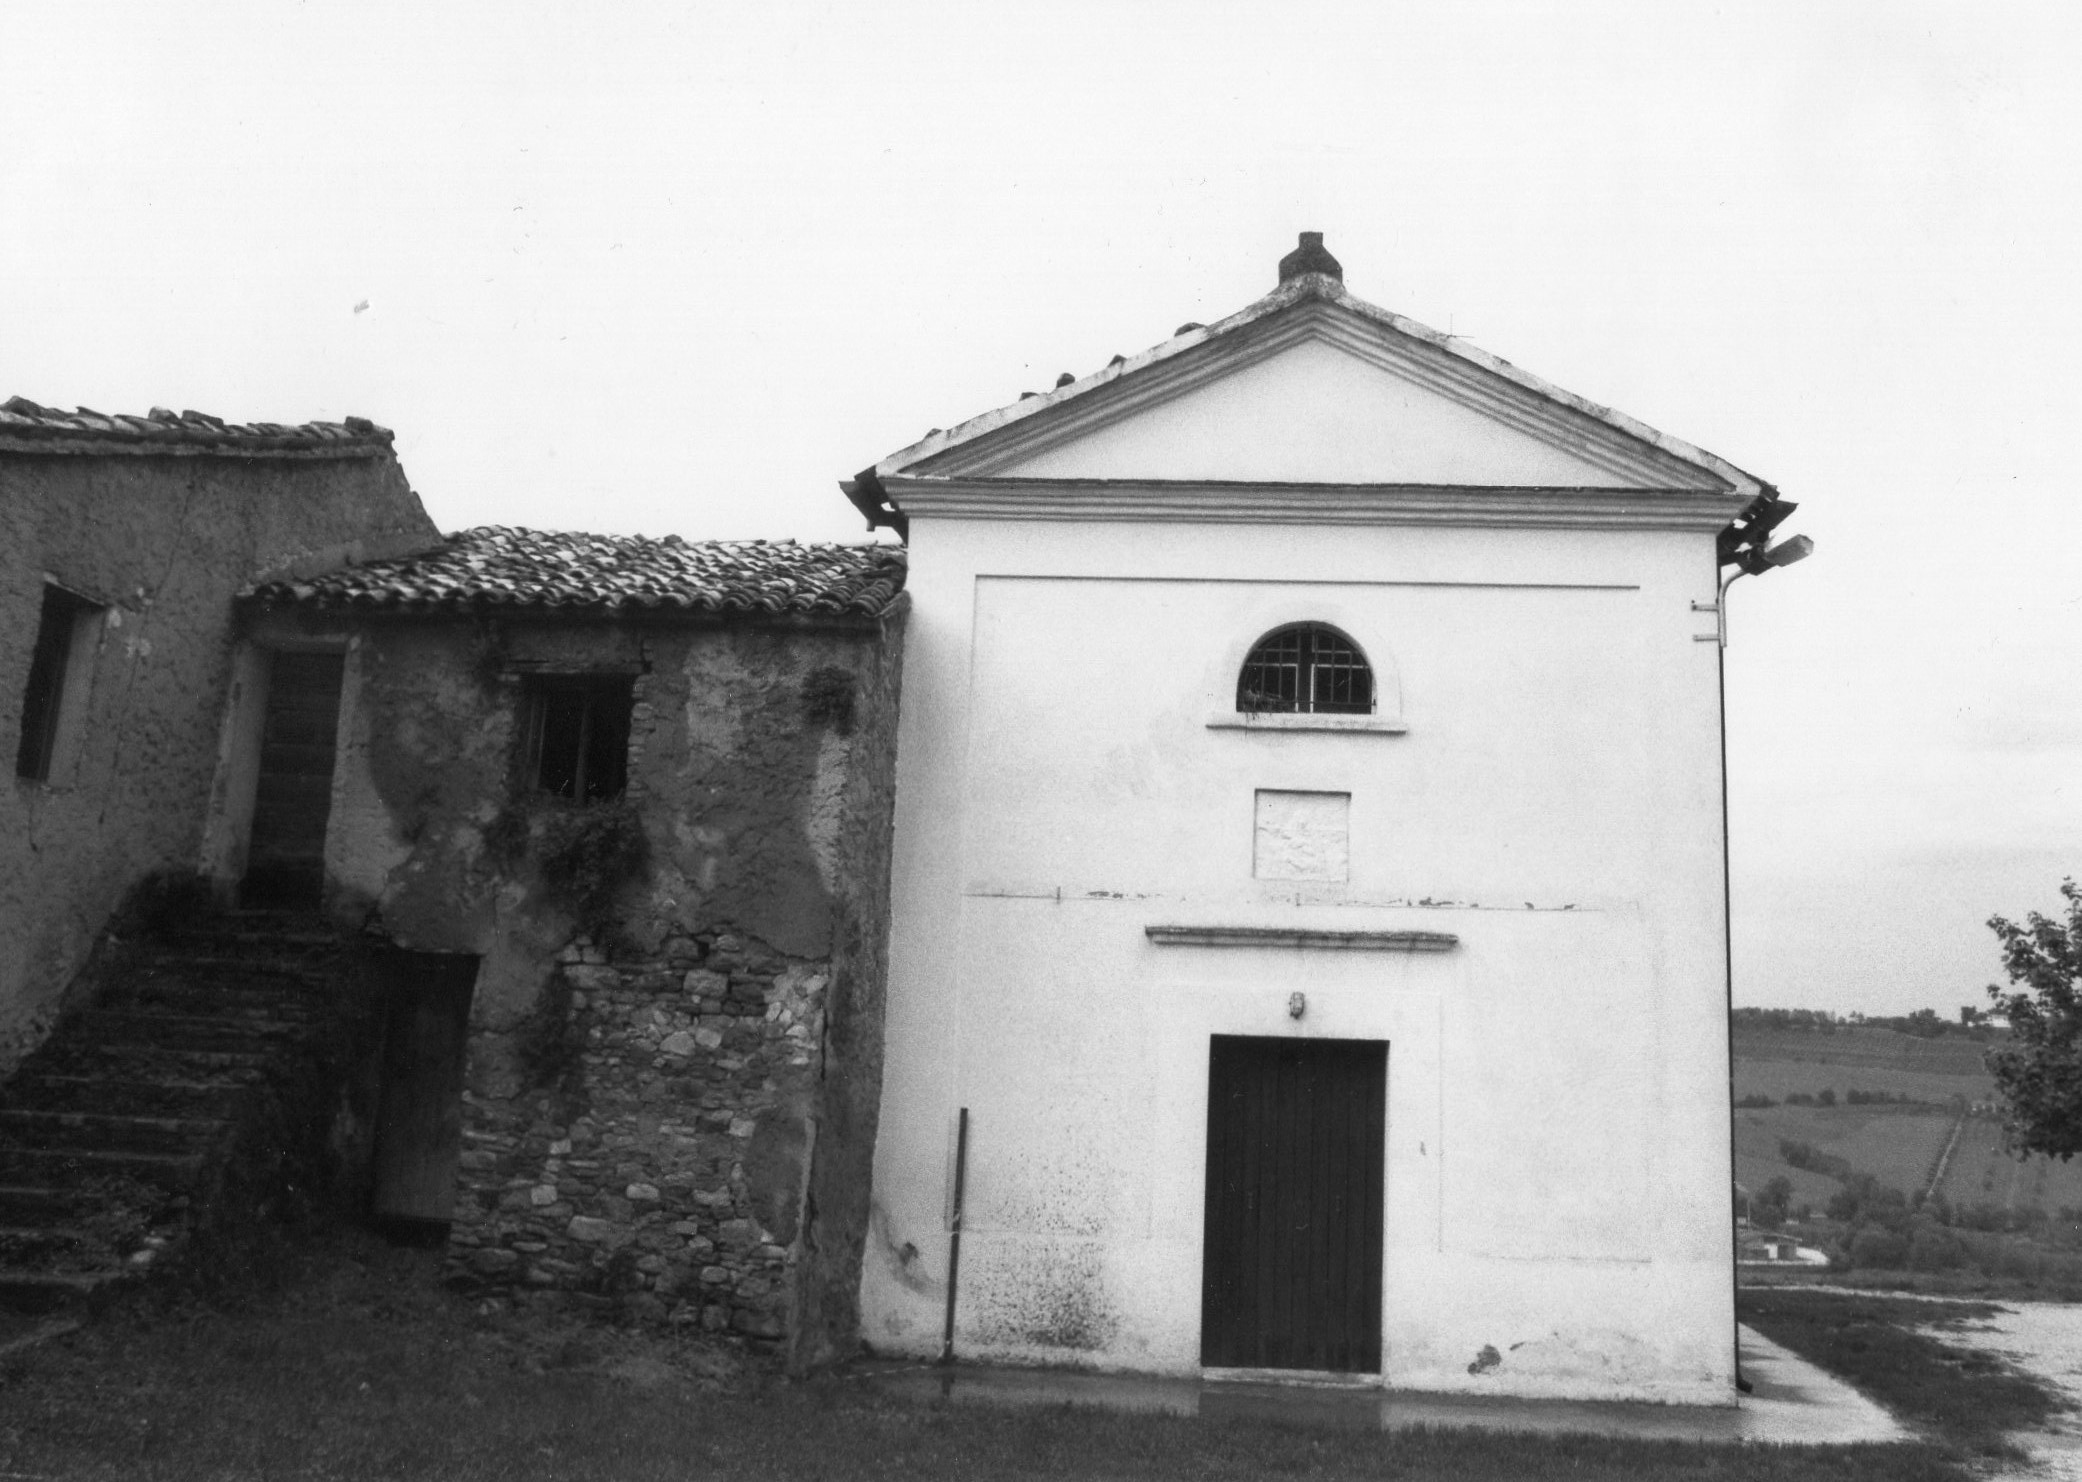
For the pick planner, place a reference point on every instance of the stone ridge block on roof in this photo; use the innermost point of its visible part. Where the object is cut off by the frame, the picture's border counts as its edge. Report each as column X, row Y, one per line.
column 26, row 427
column 496, row 566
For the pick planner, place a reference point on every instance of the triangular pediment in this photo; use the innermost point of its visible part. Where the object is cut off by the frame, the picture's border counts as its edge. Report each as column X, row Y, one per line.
column 1313, row 386
column 1315, row 412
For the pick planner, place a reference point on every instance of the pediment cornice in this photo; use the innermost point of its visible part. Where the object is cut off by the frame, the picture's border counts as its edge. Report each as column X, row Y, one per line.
column 1215, row 502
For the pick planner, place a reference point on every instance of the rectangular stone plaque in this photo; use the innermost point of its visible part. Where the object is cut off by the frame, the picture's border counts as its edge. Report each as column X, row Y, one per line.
column 1302, row 836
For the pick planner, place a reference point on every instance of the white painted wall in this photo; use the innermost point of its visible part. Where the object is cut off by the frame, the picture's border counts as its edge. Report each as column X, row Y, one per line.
column 1557, row 1146
column 1315, row 411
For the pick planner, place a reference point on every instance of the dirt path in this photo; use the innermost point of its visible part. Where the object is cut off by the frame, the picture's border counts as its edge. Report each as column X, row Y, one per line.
column 2043, row 1338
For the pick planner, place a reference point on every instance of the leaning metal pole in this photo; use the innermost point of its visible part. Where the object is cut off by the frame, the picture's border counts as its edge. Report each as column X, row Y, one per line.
column 961, row 1169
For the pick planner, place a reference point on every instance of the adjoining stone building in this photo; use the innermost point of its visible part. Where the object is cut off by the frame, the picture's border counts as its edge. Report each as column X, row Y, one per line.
column 605, row 823
column 123, row 541
column 620, row 809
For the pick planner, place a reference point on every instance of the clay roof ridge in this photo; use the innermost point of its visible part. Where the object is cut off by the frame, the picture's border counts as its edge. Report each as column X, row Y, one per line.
column 27, row 425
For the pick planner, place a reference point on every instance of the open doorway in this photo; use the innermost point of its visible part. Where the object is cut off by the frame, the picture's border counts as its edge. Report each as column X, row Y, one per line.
column 293, row 796
column 419, row 1107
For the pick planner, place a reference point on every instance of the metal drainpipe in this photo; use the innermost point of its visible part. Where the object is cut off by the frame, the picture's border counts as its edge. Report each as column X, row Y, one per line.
column 1720, row 673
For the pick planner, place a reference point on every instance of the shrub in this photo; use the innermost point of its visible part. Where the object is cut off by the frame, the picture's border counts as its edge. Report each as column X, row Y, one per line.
column 1865, row 1200
column 1933, row 1248
column 586, row 853
column 2021, row 1261
column 1874, row 1247
column 1805, row 1155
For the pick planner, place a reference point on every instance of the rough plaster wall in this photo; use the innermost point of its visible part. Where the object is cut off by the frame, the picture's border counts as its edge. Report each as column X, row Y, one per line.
column 423, row 772
column 723, row 768
column 731, row 748
column 765, row 816
column 164, row 543
column 828, row 1301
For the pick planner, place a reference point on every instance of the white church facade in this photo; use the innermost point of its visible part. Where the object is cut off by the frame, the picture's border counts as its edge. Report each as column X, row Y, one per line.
column 1309, row 873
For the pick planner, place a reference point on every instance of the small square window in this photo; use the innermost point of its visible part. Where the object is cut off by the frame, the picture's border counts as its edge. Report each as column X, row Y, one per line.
column 62, row 630
column 578, row 735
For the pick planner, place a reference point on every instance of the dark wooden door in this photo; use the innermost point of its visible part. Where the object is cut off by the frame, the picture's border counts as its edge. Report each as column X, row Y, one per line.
column 1296, row 1135
column 419, row 1116
column 285, row 861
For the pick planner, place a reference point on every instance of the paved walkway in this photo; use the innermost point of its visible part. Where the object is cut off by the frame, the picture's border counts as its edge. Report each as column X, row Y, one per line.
column 1792, row 1402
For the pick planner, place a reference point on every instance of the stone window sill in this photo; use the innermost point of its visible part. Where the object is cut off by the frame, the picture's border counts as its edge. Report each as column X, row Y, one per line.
column 1371, row 725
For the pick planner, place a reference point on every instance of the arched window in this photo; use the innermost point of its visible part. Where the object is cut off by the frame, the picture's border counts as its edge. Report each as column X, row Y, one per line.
column 1305, row 669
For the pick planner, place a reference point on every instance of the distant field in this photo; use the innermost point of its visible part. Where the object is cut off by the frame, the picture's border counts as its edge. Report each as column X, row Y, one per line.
column 1866, row 1049
column 1898, row 1150
column 1982, row 1173
column 1779, row 1079
column 1753, row 1171
column 1898, row 1145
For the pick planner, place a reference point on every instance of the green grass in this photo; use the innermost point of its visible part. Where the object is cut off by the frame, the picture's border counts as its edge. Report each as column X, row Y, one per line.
column 350, row 1363
column 1968, row 1398
column 1966, row 1282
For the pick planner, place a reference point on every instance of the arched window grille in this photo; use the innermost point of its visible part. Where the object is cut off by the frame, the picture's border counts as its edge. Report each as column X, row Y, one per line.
column 1306, row 669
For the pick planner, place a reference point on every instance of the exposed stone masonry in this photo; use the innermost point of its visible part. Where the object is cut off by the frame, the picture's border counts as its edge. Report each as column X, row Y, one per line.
column 667, row 1182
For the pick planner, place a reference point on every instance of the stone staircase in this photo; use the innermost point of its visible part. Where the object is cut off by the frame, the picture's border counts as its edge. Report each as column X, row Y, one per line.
column 175, row 1107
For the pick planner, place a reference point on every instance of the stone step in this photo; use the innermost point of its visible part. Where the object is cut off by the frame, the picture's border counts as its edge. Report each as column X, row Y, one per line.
column 30, row 1290
column 272, row 934
column 121, row 1127
column 54, row 1248
column 145, row 1060
column 111, row 1027
column 53, row 1130
column 297, row 969
column 164, row 1097
column 87, row 1205
column 215, row 1000
column 32, row 1204
column 62, row 1168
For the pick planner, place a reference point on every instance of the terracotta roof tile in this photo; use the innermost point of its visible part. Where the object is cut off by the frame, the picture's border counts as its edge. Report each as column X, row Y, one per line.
column 495, row 566
column 26, row 427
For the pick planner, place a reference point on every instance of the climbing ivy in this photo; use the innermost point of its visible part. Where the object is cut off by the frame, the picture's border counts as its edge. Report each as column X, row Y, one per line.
column 587, row 853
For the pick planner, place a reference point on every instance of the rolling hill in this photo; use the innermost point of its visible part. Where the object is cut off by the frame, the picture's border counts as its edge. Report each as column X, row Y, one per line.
column 1915, row 1093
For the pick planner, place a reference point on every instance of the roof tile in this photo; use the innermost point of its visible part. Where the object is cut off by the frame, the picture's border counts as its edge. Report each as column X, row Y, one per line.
column 26, row 427
column 496, row 566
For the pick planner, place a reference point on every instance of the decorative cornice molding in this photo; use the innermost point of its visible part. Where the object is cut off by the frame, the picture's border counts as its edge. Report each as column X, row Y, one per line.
column 1314, row 306
column 1210, row 501
column 1301, row 939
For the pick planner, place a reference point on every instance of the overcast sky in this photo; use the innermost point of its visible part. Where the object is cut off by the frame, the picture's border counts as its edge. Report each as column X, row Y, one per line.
column 671, row 267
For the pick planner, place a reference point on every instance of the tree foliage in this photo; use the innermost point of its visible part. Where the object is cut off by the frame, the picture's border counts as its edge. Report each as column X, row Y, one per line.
column 2038, row 1071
